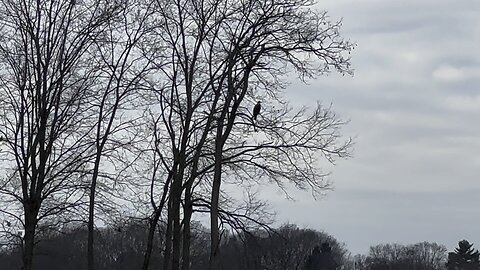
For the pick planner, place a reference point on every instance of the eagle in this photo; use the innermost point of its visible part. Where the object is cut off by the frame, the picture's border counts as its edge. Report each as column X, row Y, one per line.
column 256, row 110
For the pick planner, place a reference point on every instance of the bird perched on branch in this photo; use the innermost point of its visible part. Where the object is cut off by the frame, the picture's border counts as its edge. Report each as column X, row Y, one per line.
column 256, row 110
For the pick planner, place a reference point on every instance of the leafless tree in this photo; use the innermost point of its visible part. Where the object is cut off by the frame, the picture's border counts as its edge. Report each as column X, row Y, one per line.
column 44, row 100
column 218, row 58
column 185, row 118
column 121, row 70
column 264, row 38
column 422, row 255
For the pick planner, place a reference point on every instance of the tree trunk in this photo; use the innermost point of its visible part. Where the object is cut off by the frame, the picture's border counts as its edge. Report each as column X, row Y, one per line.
column 214, row 209
column 91, row 212
column 177, row 225
column 29, row 237
column 187, row 216
column 91, row 204
column 151, row 233
column 154, row 222
column 168, row 239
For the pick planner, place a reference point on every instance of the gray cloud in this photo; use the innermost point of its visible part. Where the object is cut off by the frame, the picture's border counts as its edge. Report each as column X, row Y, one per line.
column 414, row 106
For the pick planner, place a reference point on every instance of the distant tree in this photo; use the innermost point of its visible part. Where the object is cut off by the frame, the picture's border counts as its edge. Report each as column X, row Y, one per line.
column 465, row 257
column 321, row 258
column 428, row 255
column 117, row 248
column 313, row 261
column 420, row 256
column 358, row 263
column 285, row 248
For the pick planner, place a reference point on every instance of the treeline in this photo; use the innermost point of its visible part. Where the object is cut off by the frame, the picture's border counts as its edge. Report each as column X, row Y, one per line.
column 122, row 248
column 420, row 256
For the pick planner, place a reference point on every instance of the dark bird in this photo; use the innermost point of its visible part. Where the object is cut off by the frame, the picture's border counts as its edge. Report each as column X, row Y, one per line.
column 256, row 110
column 8, row 223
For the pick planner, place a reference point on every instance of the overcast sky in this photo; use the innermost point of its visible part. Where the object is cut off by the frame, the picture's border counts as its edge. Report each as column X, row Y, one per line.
column 414, row 110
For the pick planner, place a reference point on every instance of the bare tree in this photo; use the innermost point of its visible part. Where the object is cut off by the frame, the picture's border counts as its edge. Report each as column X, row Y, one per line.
column 422, row 255
column 185, row 116
column 265, row 38
column 121, row 69
column 45, row 91
column 218, row 59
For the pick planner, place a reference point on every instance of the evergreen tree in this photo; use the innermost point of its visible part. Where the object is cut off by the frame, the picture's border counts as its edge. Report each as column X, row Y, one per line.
column 464, row 257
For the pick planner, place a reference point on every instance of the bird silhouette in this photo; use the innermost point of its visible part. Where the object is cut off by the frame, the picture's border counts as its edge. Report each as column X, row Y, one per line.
column 256, row 110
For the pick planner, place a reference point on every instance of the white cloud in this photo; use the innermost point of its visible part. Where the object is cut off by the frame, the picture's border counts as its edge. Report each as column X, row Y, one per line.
column 448, row 73
column 463, row 103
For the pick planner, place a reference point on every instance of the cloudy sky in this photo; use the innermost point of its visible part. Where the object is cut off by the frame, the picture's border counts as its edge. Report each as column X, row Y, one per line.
column 414, row 110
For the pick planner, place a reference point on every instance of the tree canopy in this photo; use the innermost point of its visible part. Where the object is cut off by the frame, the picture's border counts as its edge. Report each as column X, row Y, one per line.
column 465, row 257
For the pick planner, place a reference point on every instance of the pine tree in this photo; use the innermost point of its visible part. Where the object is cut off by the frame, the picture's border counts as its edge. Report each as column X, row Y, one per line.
column 464, row 257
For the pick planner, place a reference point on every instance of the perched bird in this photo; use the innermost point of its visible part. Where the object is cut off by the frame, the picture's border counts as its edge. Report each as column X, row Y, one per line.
column 256, row 110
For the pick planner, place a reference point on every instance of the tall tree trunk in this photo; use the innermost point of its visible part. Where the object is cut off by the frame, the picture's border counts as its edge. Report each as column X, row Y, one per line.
column 91, row 213
column 30, row 224
column 154, row 221
column 214, row 208
column 187, row 216
column 168, row 239
column 151, row 233
column 177, row 224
